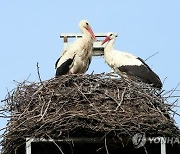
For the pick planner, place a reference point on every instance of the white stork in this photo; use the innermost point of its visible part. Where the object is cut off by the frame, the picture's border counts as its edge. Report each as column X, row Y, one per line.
column 128, row 65
column 77, row 58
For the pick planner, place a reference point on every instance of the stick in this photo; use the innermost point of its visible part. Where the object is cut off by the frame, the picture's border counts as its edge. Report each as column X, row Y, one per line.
column 151, row 56
column 122, row 98
column 37, row 65
column 56, row 144
column 106, row 146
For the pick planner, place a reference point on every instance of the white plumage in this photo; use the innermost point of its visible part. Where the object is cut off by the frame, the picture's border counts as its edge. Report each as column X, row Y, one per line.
column 128, row 65
column 77, row 57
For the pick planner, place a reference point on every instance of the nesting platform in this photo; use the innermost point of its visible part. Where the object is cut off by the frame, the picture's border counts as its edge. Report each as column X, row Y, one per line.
column 85, row 106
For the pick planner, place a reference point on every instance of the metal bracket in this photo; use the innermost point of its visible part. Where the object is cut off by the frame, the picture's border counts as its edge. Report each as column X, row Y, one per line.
column 98, row 49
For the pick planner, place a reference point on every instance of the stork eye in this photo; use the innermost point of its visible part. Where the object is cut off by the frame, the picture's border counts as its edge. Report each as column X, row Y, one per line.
column 87, row 24
column 110, row 35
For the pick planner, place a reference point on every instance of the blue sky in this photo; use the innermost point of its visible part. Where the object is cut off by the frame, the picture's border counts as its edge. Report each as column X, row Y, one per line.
column 29, row 33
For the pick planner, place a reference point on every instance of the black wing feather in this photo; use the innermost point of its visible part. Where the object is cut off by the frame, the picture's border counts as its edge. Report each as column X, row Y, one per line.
column 57, row 63
column 144, row 63
column 64, row 68
column 89, row 62
column 142, row 72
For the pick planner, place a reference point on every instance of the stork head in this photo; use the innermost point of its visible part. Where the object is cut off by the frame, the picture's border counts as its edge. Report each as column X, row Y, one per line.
column 84, row 25
column 109, row 37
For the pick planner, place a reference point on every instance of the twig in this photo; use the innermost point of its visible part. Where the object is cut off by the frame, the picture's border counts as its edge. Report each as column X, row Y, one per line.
column 106, row 146
column 151, row 56
column 175, row 112
column 164, row 80
column 111, row 97
column 122, row 98
column 174, row 89
column 56, row 144
column 37, row 65
column 45, row 111
column 86, row 98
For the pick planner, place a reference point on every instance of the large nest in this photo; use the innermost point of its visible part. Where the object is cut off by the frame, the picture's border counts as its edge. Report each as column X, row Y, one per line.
column 93, row 104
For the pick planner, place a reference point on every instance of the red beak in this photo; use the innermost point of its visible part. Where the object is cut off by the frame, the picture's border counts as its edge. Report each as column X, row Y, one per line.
column 105, row 40
column 92, row 33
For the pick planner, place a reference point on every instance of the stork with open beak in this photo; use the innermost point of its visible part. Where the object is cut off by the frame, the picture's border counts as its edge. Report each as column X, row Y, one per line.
column 128, row 65
column 77, row 58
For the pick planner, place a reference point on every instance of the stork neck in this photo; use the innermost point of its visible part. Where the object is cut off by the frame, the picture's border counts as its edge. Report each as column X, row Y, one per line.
column 86, row 34
column 110, row 45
